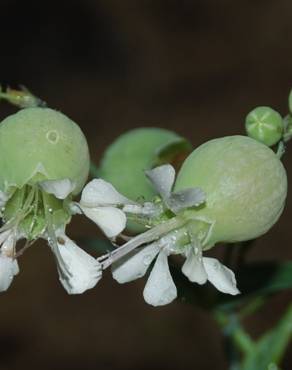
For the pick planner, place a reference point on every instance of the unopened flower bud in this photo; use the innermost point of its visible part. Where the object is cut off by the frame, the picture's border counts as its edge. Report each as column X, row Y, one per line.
column 264, row 124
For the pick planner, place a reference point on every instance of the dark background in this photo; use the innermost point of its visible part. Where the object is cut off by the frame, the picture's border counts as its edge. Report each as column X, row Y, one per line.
column 196, row 67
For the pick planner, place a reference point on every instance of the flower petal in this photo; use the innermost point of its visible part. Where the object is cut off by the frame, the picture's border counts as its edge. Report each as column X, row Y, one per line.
column 15, row 268
column 8, row 268
column 4, row 236
column 160, row 288
column 101, row 193
column 135, row 264
column 220, row 276
column 60, row 188
column 193, row 268
column 8, row 245
column 111, row 220
column 78, row 271
column 162, row 178
column 186, row 198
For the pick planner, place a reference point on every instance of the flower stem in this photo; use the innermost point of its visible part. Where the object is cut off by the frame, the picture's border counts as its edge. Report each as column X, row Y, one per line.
column 232, row 328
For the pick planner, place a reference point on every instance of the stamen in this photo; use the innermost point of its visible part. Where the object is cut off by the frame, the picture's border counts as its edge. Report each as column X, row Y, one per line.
column 25, row 208
column 147, row 237
column 53, row 242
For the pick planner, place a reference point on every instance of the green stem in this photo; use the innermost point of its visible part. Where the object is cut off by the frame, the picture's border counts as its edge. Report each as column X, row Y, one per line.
column 282, row 334
column 232, row 329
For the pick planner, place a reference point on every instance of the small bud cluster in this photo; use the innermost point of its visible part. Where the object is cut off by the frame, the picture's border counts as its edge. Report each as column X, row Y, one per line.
column 267, row 126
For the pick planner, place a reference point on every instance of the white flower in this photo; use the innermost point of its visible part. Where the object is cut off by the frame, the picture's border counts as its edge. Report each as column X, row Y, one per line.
column 105, row 206
column 78, row 271
column 199, row 269
column 100, row 202
column 162, row 179
column 130, row 264
column 160, row 288
column 8, row 265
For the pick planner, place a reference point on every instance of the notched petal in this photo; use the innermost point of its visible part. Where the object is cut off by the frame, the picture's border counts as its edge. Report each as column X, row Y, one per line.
column 4, row 236
column 59, row 188
column 193, row 267
column 78, row 271
column 9, row 242
column 101, row 193
column 162, row 178
column 135, row 264
column 8, row 269
column 186, row 198
column 111, row 220
column 160, row 288
column 220, row 276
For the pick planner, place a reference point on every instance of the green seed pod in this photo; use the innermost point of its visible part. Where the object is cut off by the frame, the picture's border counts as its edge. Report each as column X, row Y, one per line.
column 126, row 159
column 245, row 185
column 41, row 144
column 264, row 124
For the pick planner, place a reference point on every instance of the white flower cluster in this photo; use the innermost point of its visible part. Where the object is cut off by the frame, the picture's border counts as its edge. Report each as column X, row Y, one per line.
column 100, row 201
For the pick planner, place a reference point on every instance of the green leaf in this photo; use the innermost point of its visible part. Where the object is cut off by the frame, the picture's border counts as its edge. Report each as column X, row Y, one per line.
column 269, row 350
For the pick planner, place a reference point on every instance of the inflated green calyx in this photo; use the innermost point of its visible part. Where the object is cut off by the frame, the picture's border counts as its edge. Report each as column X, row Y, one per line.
column 41, row 144
column 245, row 185
column 127, row 158
column 130, row 155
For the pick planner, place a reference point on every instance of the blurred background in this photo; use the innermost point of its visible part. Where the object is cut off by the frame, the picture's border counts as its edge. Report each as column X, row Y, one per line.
column 195, row 67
